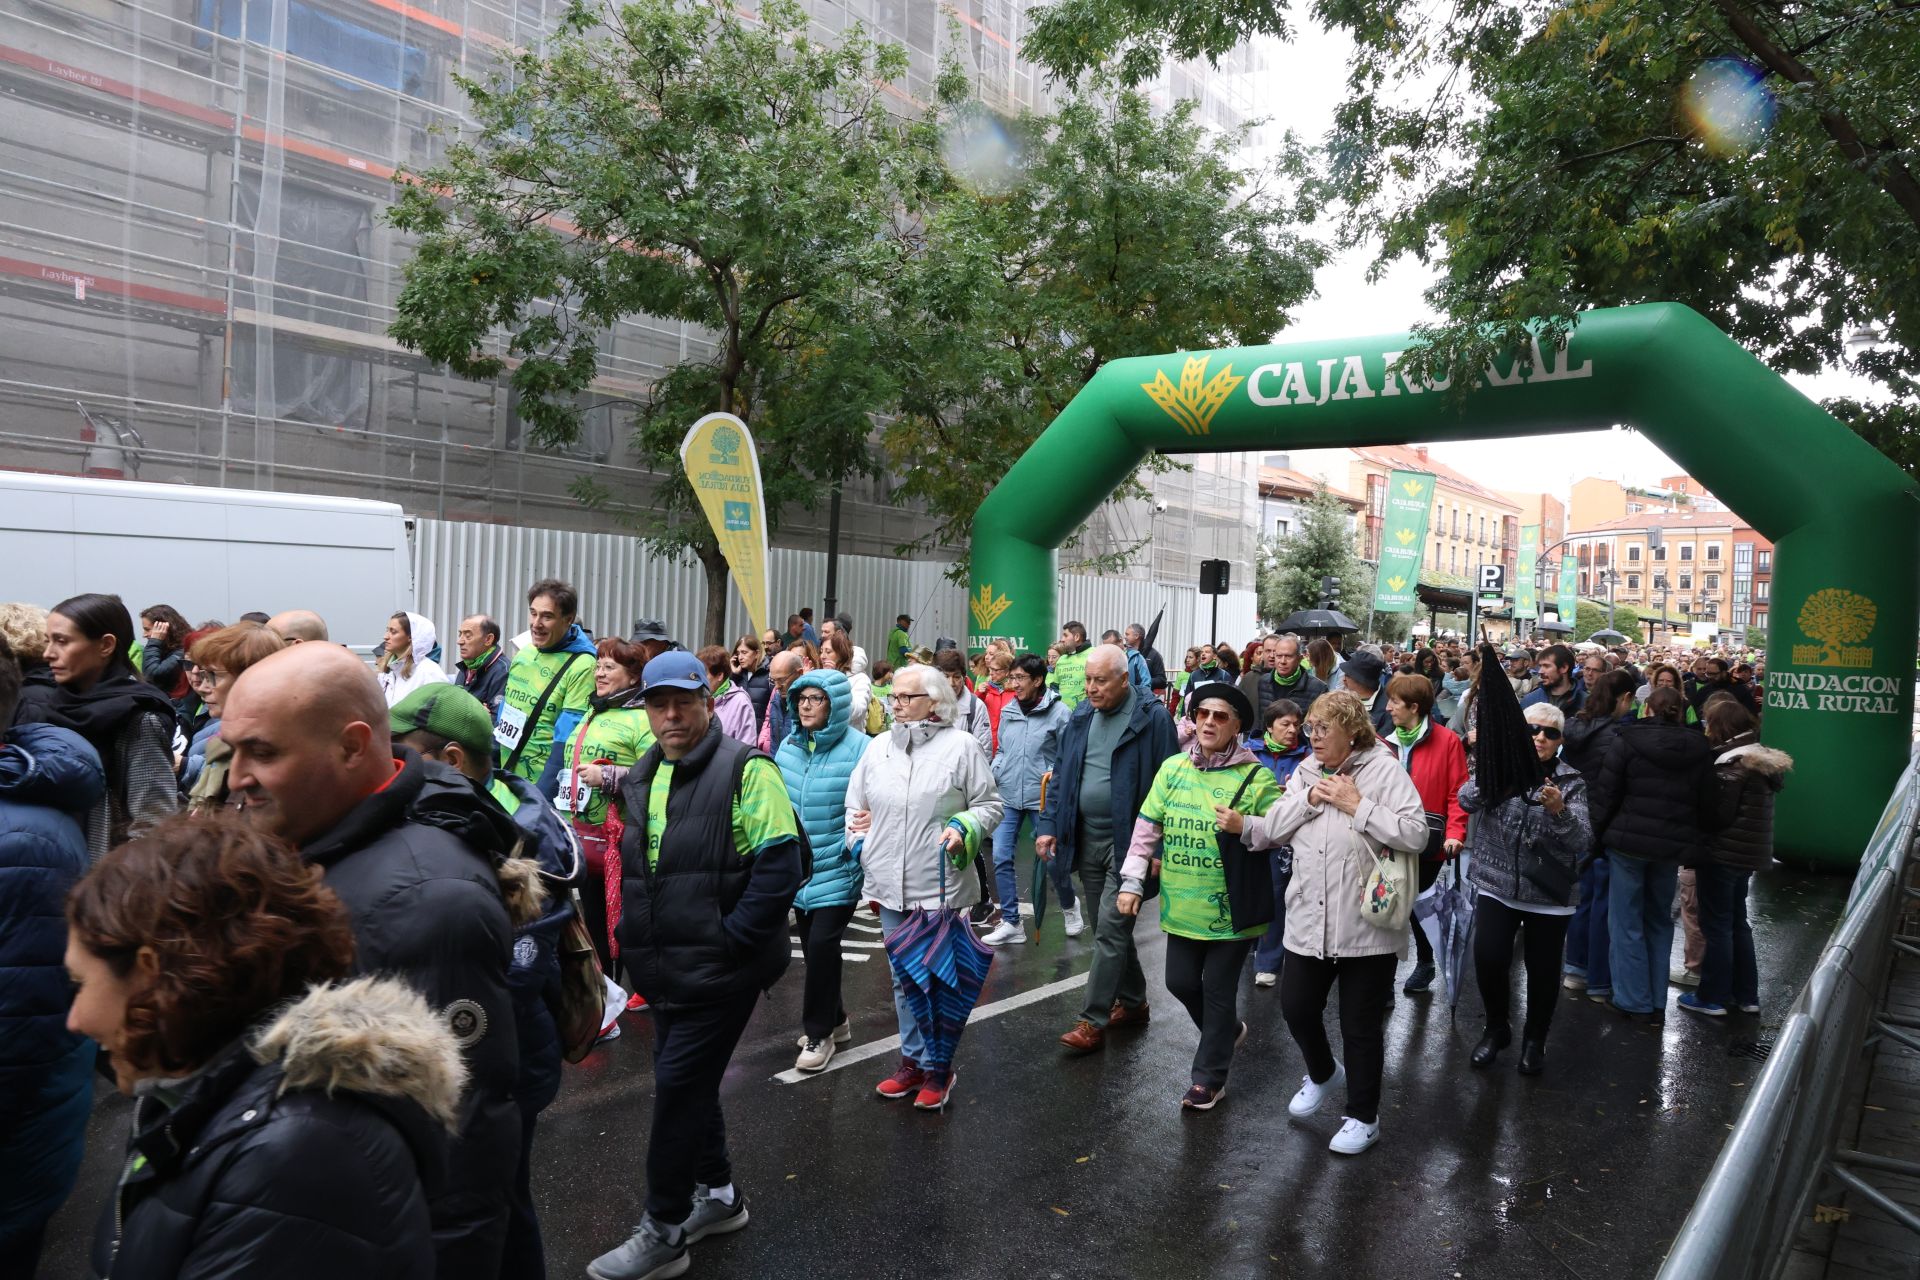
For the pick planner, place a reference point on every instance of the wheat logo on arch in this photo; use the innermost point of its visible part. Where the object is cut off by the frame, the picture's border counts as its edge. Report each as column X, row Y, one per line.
column 1193, row 403
column 1838, row 619
column 986, row 607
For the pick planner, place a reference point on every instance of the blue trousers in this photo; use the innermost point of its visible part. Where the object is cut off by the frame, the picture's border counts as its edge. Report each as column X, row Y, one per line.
column 1006, row 881
column 1588, row 947
column 913, row 1045
column 1729, row 974
column 40, row 1150
column 1640, row 930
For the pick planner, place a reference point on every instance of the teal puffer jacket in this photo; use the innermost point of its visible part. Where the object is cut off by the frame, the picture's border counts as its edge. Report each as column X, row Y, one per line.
column 816, row 766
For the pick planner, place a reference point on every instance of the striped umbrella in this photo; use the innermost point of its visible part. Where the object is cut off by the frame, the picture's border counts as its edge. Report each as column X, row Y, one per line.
column 941, row 967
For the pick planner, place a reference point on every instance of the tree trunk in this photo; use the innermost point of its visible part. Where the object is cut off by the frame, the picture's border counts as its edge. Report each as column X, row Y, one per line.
column 713, row 626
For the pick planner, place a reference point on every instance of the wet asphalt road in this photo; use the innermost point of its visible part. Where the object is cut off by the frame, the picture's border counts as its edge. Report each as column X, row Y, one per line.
column 1057, row 1167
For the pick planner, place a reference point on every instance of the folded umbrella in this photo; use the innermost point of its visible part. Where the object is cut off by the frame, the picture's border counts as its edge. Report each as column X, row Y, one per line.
column 941, row 967
column 1445, row 913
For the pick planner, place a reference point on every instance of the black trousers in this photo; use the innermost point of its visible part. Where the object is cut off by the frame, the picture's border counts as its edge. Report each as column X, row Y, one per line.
column 1366, row 992
column 1423, row 949
column 1543, row 937
column 820, row 934
column 691, row 1049
column 1205, row 977
column 524, row 1257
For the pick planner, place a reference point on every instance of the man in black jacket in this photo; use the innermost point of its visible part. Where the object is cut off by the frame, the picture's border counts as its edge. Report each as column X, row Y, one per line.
column 1114, row 744
column 416, row 854
column 709, row 865
column 483, row 664
column 1280, row 673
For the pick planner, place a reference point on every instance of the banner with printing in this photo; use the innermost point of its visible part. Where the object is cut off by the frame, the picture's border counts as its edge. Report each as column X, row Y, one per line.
column 1403, row 539
column 724, row 469
column 1569, row 588
column 1524, row 603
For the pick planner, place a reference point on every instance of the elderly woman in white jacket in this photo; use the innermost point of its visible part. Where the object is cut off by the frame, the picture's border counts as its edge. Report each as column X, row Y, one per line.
column 923, row 794
column 1349, row 802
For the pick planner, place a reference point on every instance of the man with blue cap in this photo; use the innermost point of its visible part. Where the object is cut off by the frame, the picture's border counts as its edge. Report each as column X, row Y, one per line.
column 710, row 862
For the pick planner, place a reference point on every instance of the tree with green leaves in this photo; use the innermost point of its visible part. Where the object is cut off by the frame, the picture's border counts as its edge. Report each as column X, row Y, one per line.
column 1100, row 232
column 680, row 161
column 1753, row 161
column 1290, row 570
column 1590, row 616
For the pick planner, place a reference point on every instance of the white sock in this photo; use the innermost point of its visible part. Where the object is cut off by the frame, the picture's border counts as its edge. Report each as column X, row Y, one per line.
column 723, row 1194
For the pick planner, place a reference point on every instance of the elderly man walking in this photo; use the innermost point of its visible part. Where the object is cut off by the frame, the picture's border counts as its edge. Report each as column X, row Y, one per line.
column 1280, row 673
column 1113, row 746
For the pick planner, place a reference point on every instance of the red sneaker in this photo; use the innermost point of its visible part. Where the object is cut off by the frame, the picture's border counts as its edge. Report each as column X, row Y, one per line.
column 937, row 1088
column 902, row 1082
column 636, row 1002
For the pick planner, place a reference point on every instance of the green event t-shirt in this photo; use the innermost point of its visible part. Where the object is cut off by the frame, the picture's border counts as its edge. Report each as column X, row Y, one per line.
column 619, row 736
column 762, row 811
column 498, row 790
column 1193, row 882
column 527, row 679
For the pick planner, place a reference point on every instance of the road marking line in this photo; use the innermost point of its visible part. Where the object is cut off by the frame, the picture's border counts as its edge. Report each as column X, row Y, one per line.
column 847, row 1057
column 844, row 955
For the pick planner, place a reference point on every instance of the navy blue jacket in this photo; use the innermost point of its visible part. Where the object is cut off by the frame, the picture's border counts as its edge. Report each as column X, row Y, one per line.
column 1144, row 746
column 534, row 978
column 49, row 778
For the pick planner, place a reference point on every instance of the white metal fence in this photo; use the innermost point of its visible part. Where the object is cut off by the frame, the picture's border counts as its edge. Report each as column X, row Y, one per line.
column 463, row 568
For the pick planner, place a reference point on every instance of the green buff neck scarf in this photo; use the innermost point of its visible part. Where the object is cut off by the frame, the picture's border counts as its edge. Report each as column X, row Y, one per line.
column 1408, row 737
column 1299, row 673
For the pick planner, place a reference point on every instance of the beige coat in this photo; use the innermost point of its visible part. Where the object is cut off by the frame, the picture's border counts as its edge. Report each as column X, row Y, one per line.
column 1333, row 853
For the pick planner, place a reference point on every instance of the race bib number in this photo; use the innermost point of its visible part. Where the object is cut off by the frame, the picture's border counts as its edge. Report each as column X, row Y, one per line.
column 511, row 728
column 574, row 795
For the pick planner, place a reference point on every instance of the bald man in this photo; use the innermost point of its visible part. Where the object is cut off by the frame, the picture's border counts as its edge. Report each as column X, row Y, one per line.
column 1114, row 744
column 296, row 626
column 416, row 853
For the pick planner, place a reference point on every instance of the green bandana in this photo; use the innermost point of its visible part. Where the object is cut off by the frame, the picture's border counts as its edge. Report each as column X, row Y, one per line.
column 1407, row 737
column 479, row 660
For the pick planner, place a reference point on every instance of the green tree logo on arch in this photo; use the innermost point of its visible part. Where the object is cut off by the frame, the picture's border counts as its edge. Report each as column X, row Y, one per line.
column 1837, row 619
column 1193, row 403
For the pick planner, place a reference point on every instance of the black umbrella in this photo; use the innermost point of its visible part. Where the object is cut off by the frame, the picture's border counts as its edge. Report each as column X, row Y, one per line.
column 1321, row 621
column 1153, row 631
column 1607, row 637
column 1553, row 628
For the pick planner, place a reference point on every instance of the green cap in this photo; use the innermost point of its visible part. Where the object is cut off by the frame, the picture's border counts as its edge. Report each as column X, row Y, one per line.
column 447, row 711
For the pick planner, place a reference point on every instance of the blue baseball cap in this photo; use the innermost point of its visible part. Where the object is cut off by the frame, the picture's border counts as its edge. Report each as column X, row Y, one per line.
column 675, row 669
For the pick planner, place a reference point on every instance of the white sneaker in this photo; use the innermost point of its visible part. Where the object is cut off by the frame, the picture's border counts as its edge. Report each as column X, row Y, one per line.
column 815, row 1055
column 1004, row 932
column 1311, row 1095
column 1353, row 1137
column 1265, row 979
column 842, row 1034
column 1684, row 977
column 1072, row 919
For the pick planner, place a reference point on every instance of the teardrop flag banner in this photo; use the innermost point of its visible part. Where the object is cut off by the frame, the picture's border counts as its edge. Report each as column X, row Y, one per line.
column 724, row 469
column 1569, row 588
column 1524, row 604
column 1403, row 541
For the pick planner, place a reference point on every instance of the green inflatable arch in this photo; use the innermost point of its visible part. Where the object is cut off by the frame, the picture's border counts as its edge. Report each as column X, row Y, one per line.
column 1843, row 518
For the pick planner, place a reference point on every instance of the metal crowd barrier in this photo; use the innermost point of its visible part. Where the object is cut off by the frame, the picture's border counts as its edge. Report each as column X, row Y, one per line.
column 1785, row 1144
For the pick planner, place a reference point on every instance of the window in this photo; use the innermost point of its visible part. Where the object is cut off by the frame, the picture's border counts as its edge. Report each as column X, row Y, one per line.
column 1713, row 551
column 1633, row 555
column 1453, row 559
column 1759, row 617
column 1633, row 582
column 1281, row 528
column 1456, row 522
column 1762, row 592
column 1436, row 553
column 1686, row 582
column 1711, row 582
column 1686, row 552
column 1659, row 582
column 1660, row 553
column 1483, row 529
column 1764, row 565
column 1740, row 615
column 1743, row 557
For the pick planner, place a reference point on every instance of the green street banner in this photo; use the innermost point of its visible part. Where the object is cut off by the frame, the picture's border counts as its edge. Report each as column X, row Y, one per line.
column 1403, row 539
column 1569, row 588
column 723, row 466
column 1524, row 604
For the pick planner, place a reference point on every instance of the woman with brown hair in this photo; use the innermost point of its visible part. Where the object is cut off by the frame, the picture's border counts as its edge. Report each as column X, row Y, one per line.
column 1323, row 658
column 218, row 660
column 284, row 1120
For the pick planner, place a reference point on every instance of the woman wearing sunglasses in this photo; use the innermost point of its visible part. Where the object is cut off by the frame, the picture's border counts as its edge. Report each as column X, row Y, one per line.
column 1531, row 834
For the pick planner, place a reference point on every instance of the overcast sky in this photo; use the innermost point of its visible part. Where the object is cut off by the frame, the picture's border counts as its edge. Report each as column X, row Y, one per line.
column 1303, row 88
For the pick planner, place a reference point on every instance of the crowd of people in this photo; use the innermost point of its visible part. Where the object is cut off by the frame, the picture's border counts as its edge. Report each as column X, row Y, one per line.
column 337, row 926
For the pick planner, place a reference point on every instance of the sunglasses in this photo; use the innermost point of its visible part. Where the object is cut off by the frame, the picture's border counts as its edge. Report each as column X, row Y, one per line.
column 1207, row 713
column 1553, row 734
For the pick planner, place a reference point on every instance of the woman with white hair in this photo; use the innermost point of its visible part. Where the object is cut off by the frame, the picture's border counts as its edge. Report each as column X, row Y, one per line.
column 1532, row 832
column 404, row 665
column 923, row 794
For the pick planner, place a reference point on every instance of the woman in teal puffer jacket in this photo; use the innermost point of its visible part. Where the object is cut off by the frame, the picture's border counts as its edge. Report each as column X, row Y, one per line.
column 817, row 758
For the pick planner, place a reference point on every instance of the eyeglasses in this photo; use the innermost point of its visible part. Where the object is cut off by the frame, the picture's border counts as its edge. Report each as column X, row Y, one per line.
column 811, row 699
column 1553, row 734
column 898, row 698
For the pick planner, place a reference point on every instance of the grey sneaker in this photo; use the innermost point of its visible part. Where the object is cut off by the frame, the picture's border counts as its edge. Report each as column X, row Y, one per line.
column 647, row 1255
column 711, row 1218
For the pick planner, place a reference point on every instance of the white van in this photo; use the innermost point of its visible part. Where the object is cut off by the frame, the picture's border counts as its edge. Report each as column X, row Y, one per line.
column 210, row 553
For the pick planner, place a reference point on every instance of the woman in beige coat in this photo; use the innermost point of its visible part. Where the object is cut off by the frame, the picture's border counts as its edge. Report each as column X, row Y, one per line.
column 1349, row 802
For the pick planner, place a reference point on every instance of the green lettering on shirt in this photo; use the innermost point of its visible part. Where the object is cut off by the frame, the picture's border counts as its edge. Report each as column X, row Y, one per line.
column 1193, row 881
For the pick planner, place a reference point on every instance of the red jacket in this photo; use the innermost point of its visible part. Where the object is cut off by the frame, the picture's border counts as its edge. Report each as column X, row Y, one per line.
column 1438, row 770
column 995, row 697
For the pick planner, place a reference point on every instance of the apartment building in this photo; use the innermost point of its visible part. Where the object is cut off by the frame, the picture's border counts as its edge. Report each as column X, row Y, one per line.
column 1471, row 523
column 1547, row 511
column 1700, row 568
column 1284, row 492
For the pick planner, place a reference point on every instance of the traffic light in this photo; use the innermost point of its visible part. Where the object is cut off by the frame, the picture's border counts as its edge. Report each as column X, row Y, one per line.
column 1329, row 591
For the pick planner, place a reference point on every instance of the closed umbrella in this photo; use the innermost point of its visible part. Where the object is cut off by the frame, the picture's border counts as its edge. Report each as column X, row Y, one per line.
column 941, row 967
column 1445, row 913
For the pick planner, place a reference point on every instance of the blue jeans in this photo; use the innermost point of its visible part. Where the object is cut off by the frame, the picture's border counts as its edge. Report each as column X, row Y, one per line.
column 1588, row 947
column 913, row 1045
column 1006, row 849
column 1729, row 974
column 1271, row 949
column 1640, row 930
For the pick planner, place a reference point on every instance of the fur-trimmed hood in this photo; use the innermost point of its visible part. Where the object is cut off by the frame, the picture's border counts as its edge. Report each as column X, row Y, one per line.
column 371, row 1036
column 1768, row 762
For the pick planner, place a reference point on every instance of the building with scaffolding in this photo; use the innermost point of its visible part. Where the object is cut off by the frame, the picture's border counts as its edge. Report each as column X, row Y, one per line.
column 199, row 280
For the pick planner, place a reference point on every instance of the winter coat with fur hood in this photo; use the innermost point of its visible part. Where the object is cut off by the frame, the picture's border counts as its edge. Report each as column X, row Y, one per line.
column 301, row 1152
column 428, row 870
column 1749, row 776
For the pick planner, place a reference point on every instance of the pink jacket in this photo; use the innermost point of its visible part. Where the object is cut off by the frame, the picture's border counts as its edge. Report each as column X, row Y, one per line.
column 735, row 711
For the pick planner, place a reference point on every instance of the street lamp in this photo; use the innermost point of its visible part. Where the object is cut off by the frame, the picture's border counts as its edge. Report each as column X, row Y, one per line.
column 1609, row 577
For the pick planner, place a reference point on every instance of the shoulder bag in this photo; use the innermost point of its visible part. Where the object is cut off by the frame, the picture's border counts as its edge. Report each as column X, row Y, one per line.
column 1249, row 874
